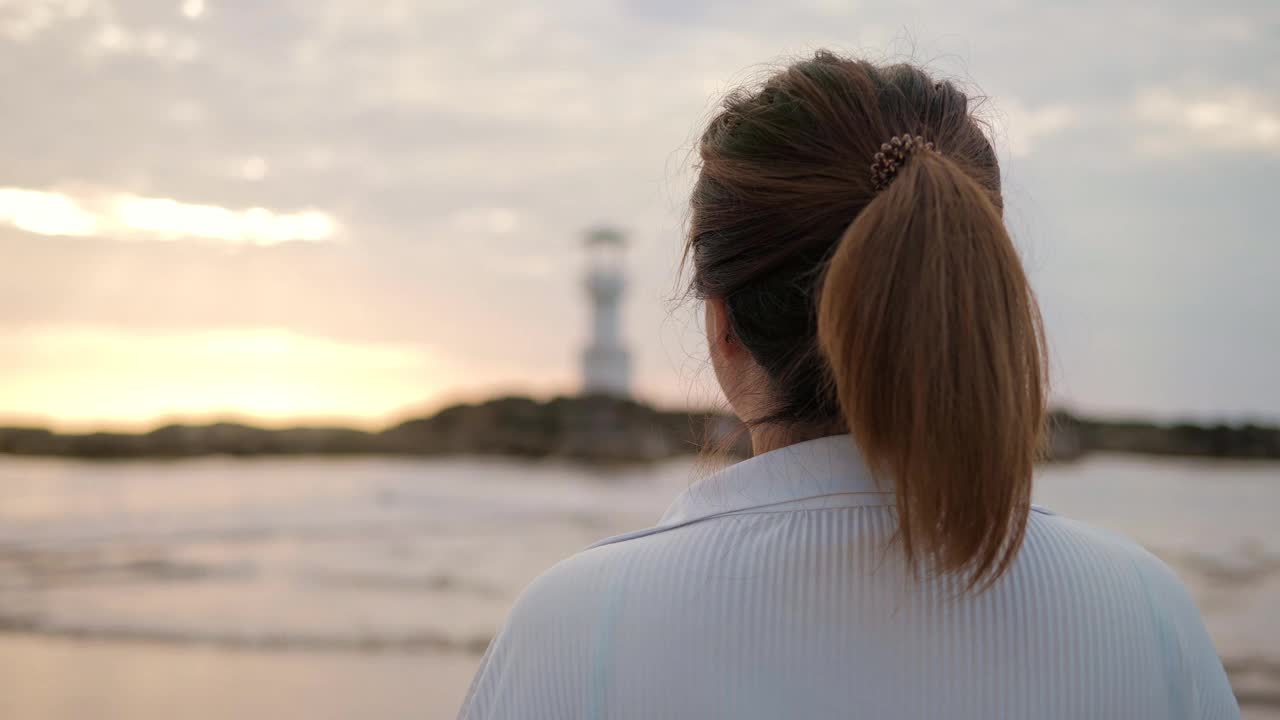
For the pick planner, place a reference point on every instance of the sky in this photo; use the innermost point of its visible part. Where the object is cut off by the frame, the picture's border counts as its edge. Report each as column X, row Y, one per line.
column 325, row 210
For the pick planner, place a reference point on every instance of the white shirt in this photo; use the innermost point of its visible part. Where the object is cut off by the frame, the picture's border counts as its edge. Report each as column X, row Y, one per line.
column 772, row 590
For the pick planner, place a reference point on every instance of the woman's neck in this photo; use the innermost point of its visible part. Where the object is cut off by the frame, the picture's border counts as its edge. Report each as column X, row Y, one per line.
column 772, row 436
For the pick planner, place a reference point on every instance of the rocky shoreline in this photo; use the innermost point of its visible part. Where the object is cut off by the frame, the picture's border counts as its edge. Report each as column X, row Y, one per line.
column 588, row 428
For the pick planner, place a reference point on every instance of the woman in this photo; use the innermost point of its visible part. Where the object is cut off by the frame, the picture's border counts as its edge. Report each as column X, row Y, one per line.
column 858, row 278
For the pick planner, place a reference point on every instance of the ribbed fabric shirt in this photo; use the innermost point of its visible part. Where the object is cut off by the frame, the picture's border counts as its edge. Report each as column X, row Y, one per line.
column 773, row 589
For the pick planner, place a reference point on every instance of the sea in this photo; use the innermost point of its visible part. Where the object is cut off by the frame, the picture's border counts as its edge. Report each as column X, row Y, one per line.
column 368, row 587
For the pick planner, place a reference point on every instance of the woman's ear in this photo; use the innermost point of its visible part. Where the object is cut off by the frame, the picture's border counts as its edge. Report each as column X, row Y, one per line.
column 720, row 339
column 740, row 378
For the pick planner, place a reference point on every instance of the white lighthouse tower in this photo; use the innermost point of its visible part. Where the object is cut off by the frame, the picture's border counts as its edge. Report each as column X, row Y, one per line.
column 606, row 366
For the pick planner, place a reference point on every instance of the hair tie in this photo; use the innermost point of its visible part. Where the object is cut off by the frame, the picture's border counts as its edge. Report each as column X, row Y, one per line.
column 891, row 157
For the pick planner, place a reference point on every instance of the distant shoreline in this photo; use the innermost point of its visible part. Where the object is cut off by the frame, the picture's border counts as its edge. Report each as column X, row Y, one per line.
column 592, row 429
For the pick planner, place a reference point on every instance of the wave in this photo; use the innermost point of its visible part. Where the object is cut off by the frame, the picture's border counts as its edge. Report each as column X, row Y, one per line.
column 20, row 570
column 407, row 642
column 1251, row 565
column 1255, row 680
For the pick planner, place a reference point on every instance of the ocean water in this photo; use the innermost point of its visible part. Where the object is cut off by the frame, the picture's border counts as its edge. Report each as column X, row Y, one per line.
column 367, row 587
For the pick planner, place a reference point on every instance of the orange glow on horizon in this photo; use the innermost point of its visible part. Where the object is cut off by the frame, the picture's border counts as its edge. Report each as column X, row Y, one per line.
column 90, row 379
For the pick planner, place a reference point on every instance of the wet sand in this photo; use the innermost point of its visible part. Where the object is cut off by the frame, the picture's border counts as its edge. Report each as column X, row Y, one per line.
column 51, row 678
column 65, row 679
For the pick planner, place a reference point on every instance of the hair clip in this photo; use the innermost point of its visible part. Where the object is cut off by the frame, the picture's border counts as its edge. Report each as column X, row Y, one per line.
column 891, row 157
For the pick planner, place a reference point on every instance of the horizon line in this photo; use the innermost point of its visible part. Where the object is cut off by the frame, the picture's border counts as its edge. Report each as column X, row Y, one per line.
column 375, row 424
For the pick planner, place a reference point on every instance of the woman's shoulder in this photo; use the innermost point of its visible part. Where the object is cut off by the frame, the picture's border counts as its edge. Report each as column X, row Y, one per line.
column 1071, row 544
column 550, row 631
column 1102, row 568
column 1098, row 567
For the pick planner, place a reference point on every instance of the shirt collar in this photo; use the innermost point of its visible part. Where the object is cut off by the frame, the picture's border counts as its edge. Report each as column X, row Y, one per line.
column 826, row 472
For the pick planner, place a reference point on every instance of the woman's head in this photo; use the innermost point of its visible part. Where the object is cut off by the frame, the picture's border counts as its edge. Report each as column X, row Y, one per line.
column 892, row 304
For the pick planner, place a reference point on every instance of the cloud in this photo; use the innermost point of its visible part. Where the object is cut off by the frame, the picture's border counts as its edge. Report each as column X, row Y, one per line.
column 1238, row 119
column 253, row 168
column 1156, row 122
column 193, row 9
column 1022, row 127
column 167, row 219
column 45, row 213
column 123, row 216
column 101, row 31
column 485, row 220
column 112, row 38
column 24, row 19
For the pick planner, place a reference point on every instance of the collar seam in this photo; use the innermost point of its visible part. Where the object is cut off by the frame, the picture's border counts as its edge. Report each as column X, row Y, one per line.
column 663, row 529
column 749, row 511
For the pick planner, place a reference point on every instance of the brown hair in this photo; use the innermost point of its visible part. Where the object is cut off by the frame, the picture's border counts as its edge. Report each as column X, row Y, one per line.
column 903, row 315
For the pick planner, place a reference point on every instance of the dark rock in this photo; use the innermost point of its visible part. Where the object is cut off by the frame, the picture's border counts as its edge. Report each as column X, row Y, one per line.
column 593, row 428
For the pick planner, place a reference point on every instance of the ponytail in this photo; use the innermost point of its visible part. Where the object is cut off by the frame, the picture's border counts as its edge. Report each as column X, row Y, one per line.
column 935, row 343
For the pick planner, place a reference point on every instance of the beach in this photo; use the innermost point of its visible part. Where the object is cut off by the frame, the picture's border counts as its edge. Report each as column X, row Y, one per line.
column 67, row 678
column 368, row 587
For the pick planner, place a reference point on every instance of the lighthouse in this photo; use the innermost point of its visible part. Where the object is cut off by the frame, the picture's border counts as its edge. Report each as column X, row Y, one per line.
column 606, row 366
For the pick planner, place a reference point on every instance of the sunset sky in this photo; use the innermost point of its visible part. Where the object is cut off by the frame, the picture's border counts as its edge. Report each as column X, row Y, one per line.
column 341, row 210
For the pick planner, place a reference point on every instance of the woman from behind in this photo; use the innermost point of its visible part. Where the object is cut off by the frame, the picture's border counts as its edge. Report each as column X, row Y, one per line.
column 870, row 321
